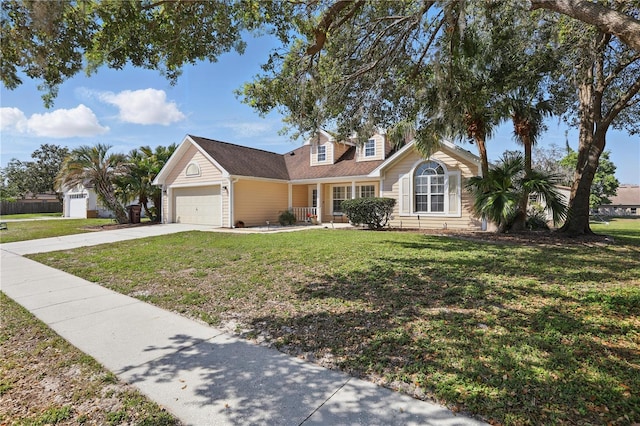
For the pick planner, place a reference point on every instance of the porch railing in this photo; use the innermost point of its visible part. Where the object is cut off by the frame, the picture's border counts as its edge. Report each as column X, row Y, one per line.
column 303, row 214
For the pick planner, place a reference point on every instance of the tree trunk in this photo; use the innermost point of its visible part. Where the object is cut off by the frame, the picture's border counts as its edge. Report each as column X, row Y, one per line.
column 157, row 204
column 591, row 146
column 577, row 222
column 105, row 192
column 482, row 150
column 520, row 221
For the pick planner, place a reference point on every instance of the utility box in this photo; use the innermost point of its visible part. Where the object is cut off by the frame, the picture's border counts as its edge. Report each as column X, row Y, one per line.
column 134, row 213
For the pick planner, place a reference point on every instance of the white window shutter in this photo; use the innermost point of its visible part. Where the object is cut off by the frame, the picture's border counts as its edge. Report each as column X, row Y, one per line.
column 405, row 195
column 454, row 193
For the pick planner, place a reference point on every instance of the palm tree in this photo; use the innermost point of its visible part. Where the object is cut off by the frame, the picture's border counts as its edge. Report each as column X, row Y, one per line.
column 134, row 186
column 528, row 117
column 92, row 166
column 464, row 98
column 145, row 164
column 158, row 159
column 498, row 195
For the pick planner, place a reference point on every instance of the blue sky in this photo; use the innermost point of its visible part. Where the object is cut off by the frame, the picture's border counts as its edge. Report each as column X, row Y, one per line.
column 132, row 107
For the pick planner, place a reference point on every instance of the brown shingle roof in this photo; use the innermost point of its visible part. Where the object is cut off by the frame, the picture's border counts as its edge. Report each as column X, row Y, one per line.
column 299, row 165
column 626, row 195
column 244, row 161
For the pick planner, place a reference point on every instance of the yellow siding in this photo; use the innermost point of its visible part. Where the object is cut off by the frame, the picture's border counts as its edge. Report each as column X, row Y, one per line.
column 379, row 149
column 391, row 188
column 300, row 196
column 256, row 201
column 208, row 172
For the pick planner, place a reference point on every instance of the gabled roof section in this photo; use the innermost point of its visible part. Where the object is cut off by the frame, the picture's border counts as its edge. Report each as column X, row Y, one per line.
column 240, row 160
column 449, row 146
column 300, row 169
column 316, row 137
column 231, row 159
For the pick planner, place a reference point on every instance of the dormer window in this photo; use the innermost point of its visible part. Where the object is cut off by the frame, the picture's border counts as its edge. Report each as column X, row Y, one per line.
column 322, row 153
column 370, row 148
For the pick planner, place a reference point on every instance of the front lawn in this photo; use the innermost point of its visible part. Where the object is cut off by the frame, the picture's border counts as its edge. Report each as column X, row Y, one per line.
column 35, row 229
column 535, row 334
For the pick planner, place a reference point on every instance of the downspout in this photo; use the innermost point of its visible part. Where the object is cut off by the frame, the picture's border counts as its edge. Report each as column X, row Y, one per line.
column 231, row 201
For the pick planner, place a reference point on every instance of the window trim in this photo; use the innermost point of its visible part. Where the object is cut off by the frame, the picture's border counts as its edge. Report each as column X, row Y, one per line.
column 406, row 183
column 366, row 147
column 361, row 186
column 347, row 193
column 324, row 154
column 429, row 194
column 192, row 174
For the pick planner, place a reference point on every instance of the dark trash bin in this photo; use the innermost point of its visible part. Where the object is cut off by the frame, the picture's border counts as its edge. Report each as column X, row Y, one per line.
column 134, row 213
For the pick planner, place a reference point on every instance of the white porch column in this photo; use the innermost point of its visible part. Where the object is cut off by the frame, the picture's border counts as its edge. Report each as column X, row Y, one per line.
column 319, row 202
column 353, row 189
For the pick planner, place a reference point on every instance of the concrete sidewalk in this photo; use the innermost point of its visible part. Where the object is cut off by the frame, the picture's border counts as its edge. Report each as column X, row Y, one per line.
column 200, row 374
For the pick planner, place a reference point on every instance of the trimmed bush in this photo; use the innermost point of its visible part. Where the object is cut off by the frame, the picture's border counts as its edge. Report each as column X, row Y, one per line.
column 373, row 212
column 287, row 218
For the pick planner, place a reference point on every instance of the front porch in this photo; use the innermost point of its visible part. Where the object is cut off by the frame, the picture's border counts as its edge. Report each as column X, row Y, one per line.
column 321, row 201
column 308, row 214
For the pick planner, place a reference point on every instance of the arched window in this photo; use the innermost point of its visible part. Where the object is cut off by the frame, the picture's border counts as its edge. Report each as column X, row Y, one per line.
column 429, row 187
column 193, row 170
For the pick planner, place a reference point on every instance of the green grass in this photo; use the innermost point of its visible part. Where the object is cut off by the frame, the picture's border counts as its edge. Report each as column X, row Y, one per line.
column 35, row 229
column 626, row 230
column 81, row 390
column 515, row 334
column 29, row 216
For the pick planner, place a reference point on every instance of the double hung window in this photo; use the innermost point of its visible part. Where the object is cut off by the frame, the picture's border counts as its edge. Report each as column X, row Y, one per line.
column 340, row 193
column 322, row 153
column 370, row 148
column 429, row 188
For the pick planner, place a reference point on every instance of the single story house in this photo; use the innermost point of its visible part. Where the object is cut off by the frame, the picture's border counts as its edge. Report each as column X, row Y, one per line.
column 221, row 184
column 626, row 202
column 82, row 202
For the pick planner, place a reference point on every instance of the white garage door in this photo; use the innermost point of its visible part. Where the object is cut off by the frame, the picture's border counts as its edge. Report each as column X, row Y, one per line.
column 77, row 205
column 201, row 205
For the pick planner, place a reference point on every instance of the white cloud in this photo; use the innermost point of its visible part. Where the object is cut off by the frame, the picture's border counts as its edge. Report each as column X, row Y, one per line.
column 61, row 123
column 148, row 106
column 11, row 118
column 248, row 129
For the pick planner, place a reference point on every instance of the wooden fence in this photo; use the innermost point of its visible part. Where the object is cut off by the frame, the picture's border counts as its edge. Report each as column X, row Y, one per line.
column 38, row 206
